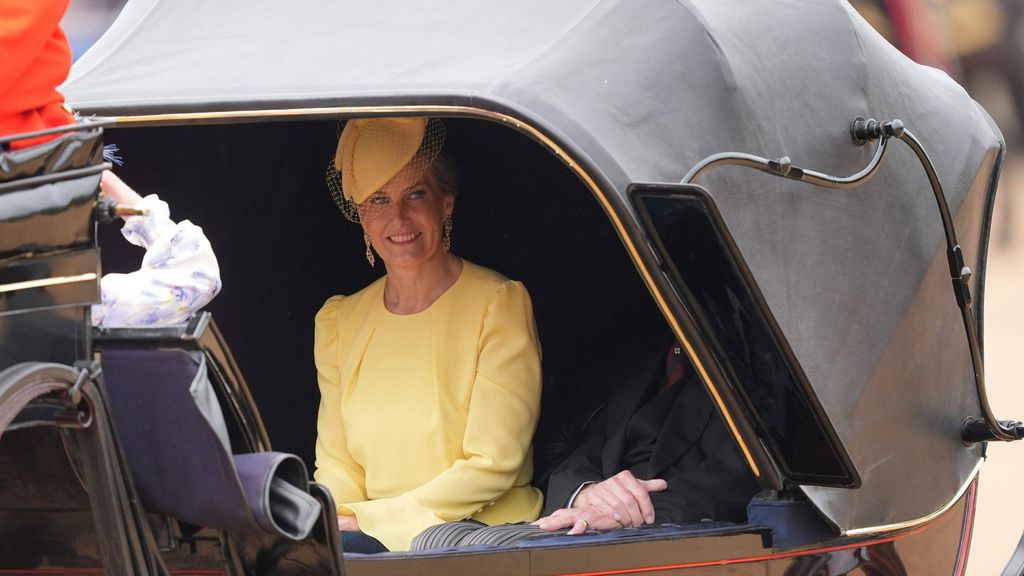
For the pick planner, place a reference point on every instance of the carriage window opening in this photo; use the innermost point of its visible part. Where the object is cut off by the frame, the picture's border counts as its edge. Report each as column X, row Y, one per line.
column 541, row 226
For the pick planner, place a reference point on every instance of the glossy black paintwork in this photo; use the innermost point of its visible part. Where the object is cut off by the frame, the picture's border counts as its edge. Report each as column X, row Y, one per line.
column 56, row 335
column 47, row 194
column 47, row 231
column 51, row 266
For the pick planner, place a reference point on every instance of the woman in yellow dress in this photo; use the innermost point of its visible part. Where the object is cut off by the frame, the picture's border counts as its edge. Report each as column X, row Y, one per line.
column 430, row 376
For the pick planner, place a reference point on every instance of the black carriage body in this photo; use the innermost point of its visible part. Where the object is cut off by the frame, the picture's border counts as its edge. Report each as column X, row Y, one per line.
column 555, row 115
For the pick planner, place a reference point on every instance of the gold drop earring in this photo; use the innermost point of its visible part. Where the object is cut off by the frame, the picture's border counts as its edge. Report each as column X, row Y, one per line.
column 369, row 251
column 446, row 238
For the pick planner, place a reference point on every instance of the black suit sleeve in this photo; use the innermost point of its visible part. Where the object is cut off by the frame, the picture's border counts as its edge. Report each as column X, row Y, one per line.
column 583, row 465
column 712, row 482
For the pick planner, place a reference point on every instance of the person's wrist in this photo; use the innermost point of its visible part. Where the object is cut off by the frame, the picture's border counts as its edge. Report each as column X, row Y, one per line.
column 581, row 498
column 116, row 189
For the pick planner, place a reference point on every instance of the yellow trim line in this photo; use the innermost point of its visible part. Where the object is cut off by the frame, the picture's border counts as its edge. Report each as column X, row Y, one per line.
column 55, row 281
column 520, row 125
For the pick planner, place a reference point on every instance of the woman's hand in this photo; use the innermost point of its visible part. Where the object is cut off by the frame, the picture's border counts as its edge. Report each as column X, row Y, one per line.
column 623, row 497
column 579, row 520
column 348, row 524
column 115, row 188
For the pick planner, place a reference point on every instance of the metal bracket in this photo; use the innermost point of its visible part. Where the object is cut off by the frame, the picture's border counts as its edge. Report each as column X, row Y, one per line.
column 77, row 414
column 974, row 430
column 864, row 130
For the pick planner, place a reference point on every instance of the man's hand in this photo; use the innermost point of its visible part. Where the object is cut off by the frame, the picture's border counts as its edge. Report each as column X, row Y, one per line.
column 579, row 520
column 348, row 524
column 623, row 498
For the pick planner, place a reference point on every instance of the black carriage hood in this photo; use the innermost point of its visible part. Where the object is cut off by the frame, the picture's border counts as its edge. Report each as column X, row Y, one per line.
column 641, row 91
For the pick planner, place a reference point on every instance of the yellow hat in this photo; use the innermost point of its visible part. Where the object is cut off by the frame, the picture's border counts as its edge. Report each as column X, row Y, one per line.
column 371, row 151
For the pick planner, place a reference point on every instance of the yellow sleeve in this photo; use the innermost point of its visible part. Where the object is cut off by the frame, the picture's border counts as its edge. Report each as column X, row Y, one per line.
column 335, row 468
column 502, row 417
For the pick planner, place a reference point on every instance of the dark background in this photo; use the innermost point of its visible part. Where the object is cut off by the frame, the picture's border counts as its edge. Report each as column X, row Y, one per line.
column 258, row 191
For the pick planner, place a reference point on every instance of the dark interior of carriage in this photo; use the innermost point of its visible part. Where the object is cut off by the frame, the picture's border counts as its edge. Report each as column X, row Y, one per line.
column 283, row 247
column 258, row 191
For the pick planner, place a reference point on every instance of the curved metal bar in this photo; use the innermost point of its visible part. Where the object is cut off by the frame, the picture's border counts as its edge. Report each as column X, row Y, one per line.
column 960, row 276
column 853, row 180
column 728, row 159
column 940, row 197
column 782, row 167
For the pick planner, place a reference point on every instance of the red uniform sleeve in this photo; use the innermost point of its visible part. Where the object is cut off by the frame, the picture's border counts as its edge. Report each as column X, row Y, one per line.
column 34, row 59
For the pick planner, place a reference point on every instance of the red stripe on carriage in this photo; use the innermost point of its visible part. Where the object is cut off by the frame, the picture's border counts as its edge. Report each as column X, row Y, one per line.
column 965, row 538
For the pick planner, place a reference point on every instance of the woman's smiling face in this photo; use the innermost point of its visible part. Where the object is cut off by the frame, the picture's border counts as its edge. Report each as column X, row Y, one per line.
column 403, row 219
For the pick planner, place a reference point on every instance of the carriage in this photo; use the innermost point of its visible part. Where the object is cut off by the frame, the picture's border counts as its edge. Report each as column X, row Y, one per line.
column 806, row 209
